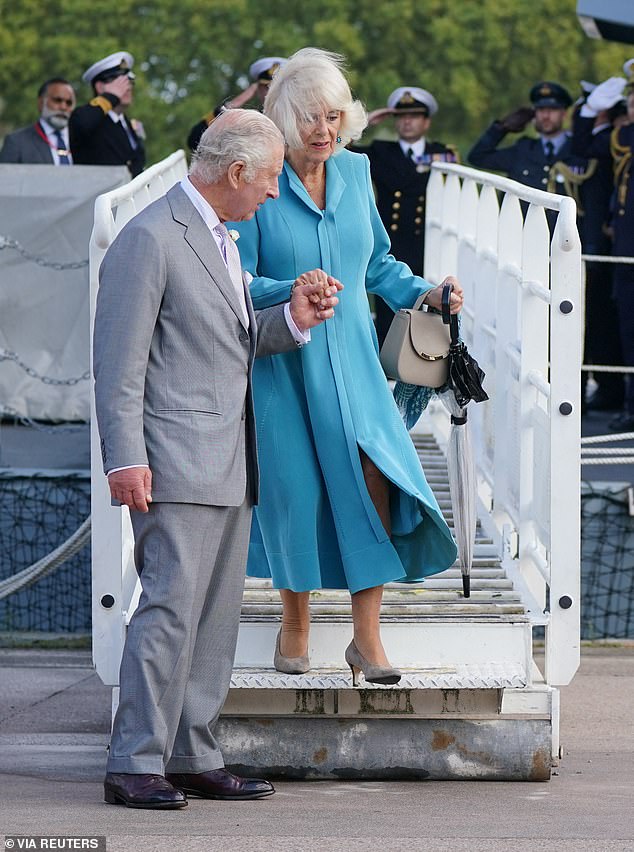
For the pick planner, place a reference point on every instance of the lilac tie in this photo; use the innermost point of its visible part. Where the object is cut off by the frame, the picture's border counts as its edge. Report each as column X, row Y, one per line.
column 231, row 257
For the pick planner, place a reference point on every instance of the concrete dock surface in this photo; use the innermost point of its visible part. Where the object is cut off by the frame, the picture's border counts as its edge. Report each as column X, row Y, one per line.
column 54, row 721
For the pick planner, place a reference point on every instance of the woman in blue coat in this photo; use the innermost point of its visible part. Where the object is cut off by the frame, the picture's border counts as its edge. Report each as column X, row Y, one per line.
column 344, row 502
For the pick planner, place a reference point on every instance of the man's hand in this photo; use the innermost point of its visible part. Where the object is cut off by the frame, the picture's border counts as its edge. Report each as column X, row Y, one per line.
column 378, row 115
column 120, row 86
column 132, row 487
column 456, row 300
column 243, row 97
column 313, row 298
column 517, row 120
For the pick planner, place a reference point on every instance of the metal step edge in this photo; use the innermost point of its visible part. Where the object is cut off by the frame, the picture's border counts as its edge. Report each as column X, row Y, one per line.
column 461, row 676
column 519, row 617
column 478, row 584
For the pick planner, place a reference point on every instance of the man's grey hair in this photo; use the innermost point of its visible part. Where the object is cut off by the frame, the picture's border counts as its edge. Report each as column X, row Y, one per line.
column 236, row 135
column 310, row 82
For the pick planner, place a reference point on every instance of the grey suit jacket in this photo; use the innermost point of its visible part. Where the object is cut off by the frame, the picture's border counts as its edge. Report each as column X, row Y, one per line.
column 26, row 146
column 173, row 359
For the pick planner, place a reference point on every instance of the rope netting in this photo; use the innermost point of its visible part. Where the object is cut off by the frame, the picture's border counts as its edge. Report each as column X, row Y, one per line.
column 45, row 553
column 607, row 563
column 45, row 556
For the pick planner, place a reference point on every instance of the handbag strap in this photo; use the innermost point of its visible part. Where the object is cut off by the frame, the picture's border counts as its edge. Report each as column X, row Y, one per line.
column 447, row 317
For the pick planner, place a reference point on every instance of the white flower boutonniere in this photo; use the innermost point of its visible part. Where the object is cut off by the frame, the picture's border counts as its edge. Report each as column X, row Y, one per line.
column 235, row 235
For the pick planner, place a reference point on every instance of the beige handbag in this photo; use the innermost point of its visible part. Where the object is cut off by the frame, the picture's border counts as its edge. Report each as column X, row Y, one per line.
column 416, row 347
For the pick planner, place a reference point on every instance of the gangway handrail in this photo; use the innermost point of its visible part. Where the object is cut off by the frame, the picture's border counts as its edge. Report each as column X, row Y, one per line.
column 517, row 253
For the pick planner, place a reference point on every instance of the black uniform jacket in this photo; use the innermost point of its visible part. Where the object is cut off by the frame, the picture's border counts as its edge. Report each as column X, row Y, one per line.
column 400, row 186
column 96, row 140
column 523, row 161
column 615, row 148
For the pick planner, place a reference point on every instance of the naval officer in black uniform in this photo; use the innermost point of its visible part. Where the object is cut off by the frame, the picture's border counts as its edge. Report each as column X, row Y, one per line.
column 530, row 160
column 261, row 73
column 100, row 132
column 400, row 173
column 619, row 149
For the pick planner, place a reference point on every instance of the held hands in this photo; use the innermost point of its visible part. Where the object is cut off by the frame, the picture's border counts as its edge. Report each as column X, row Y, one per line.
column 517, row 120
column 456, row 299
column 132, row 487
column 313, row 298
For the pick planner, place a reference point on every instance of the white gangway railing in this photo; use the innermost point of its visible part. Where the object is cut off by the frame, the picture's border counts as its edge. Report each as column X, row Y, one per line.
column 522, row 321
column 114, row 579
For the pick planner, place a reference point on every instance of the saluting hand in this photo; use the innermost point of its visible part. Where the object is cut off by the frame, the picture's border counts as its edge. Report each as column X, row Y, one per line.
column 120, row 86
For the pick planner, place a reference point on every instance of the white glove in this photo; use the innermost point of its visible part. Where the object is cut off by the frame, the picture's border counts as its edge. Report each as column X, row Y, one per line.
column 606, row 94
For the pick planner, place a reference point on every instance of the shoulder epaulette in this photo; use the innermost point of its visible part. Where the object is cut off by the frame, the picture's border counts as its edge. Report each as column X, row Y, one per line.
column 102, row 103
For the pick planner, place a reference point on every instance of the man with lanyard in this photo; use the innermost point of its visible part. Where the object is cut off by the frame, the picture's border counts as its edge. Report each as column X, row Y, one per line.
column 46, row 141
column 100, row 133
column 400, row 173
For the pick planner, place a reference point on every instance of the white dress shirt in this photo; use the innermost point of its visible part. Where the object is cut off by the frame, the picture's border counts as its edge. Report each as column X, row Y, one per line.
column 418, row 148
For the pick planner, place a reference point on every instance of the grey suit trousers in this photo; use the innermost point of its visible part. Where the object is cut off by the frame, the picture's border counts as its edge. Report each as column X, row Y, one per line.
column 181, row 641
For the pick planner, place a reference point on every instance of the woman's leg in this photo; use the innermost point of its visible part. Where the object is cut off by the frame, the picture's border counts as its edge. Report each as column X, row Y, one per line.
column 366, row 612
column 295, row 623
column 379, row 490
column 366, row 604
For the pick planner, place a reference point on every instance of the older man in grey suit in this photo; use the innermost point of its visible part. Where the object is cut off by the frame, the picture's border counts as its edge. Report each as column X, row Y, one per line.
column 45, row 142
column 174, row 342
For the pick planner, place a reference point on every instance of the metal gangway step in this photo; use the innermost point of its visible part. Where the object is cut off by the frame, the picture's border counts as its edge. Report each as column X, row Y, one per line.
column 440, row 596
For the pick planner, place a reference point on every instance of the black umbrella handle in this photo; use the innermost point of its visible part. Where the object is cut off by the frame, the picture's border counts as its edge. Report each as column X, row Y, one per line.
column 447, row 317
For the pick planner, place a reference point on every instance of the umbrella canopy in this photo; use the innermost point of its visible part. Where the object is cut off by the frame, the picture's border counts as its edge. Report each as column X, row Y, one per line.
column 465, row 375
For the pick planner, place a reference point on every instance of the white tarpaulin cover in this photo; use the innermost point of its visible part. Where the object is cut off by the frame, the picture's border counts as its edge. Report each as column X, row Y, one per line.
column 46, row 218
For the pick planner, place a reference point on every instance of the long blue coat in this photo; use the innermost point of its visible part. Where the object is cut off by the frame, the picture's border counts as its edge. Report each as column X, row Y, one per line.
column 316, row 526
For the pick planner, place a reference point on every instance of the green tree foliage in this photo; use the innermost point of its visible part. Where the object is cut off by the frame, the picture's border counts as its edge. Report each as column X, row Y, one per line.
column 478, row 57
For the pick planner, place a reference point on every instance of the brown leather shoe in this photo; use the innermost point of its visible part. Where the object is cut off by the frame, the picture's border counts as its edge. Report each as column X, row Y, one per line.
column 141, row 791
column 220, row 784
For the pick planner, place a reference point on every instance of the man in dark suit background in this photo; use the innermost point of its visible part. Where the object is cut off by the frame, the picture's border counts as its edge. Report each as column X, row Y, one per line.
column 174, row 342
column 45, row 142
column 400, row 173
column 100, row 132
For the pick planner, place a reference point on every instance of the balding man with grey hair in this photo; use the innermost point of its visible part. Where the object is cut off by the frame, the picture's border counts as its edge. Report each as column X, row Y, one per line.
column 174, row 342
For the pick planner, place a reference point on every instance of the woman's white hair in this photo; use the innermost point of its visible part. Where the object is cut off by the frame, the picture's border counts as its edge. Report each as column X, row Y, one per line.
column 243, row 135
column 312, row 81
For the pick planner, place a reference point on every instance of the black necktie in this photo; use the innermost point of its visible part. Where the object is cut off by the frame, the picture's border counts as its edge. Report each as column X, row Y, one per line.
column 129, row 134
column 62, row 152
column 410, row 154
column 550, row 150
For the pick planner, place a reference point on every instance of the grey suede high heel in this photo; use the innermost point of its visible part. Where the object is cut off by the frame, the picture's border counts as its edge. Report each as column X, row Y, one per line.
column 289, row 665
column 371, row 672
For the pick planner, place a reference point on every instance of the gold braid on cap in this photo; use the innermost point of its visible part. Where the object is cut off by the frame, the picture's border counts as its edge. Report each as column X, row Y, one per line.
column 572, row 180
column 622, row 159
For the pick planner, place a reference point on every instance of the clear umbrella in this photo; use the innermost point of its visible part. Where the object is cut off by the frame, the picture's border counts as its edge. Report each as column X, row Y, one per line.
column 462, row 484
column 464, row 385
